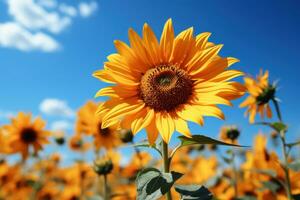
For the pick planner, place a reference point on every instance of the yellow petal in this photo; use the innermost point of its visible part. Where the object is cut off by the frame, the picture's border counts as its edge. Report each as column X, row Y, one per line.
column 138, row 47
column 165, row 125
column 151, row 44
column 227, row 75
column 182, row 46
column 182, row 127
column 152, row 132
column 190, row 113
column 202, row 39
column 142, row 120
column 119, row 111
column 202, row 58
column 269, row 111
column 167, row 40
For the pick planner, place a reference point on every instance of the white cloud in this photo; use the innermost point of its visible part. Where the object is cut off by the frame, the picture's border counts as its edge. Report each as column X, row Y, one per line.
column 34, row 17
column 47, row 3
column 87, row 9
column 56, row 107
column 61, row 125
column 68, row 10
column 15, row 36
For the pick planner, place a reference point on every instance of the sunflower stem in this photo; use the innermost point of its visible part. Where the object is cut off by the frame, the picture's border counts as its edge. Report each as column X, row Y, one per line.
column 277, row 109
column 235, row 175
column 138, row 153
column 166, row 165
column 105, row 188
column 285, row 154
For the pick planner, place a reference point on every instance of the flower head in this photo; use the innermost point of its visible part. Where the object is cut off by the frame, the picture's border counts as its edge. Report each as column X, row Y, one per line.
column 103, row 166
column 25, row 133
column 229, row 134
column 260, row 94
column 160, row 85
column 89, row 123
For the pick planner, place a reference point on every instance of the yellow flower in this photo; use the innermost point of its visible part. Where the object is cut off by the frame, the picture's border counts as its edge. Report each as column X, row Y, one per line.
column 24, row 133
column 161, row 85
column 260, row 93
column 90, row 124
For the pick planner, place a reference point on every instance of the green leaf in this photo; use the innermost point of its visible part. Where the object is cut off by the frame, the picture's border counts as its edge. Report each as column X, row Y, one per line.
column 296, row 196
column 269, row 172
column 246, row 198
column 95, row 198
column 293, row 144
column 153, row 184
column 147, row 145
column 201, row 139
column 270, row 185
column 277, row 126
column 294, row 165
column 193, row 192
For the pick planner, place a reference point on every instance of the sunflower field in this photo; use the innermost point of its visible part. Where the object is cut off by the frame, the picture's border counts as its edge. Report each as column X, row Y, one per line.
column 155, row 88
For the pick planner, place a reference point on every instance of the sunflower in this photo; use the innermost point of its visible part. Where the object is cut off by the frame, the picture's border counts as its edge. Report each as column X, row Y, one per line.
column 229, row 134
column 25, row 133
column 260, row 93
column 89, row 123
column 161, row 85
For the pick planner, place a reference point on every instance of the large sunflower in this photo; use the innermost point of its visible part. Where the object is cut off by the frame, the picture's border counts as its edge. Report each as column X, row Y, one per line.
column 161, row 85
column 25, row 133
column 260, row 93
column 89, row 123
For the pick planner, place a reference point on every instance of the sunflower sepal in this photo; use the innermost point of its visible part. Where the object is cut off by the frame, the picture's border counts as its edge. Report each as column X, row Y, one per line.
column 193, row 192
column 153, row 184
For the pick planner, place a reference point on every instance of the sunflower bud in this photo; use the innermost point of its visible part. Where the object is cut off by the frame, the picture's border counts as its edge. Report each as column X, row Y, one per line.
column 103, row 166
column 126, row 136
column 59, row 138
column 267, row 94
column 233, row 133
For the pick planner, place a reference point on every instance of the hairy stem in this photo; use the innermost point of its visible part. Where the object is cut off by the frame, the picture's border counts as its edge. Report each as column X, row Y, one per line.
column 166, row 164
column 105, row 187
column 285, row 154
column 235, row 175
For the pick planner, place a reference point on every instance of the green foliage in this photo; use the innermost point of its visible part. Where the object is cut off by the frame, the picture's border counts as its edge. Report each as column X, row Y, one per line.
column 294, row 165
column 201, row 139
column 153, row 184
column 277, row 126
column 146, row 144
column 269, row 172
column 270, row 185
column 193, row 192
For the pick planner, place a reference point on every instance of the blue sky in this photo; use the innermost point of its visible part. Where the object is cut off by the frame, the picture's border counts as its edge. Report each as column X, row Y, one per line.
column 262, row 34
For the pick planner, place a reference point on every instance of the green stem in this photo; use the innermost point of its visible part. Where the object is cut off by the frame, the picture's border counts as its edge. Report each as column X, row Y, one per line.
column 235, row 175
column 138, row 153
column 285, row 154
column 106, row 196
column 285, row 168
column 166, row 164
column 277, row 109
